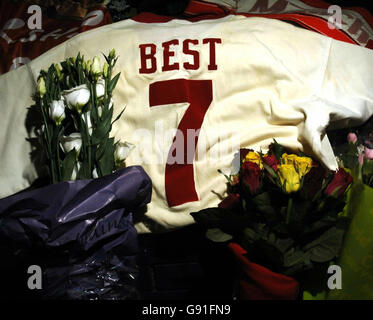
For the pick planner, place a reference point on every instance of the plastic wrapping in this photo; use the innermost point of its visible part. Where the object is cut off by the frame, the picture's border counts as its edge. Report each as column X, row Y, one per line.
column 80, row 233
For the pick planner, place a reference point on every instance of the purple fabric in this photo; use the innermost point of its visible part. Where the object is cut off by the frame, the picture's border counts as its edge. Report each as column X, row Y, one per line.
column 89, row 226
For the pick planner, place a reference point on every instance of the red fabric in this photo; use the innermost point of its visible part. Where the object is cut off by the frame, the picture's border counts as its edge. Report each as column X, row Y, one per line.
column 264, row 284
column 310, row 22
column 19, row 44
column 203, row 9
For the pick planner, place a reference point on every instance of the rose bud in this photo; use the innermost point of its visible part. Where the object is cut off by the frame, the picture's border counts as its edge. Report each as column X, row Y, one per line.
column 352, row 137
column 341, row 180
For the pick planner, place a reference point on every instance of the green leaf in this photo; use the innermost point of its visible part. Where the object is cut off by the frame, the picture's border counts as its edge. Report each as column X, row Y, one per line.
column 221, row 218
column 120, row 114
column 103, row 128
column 68, row 165
column 106, row 162
column 278, row 150
column 293, row 257
column 101, row 149
column 327, row 246
column 263, row 203
column 113, row 83
column 84, row 172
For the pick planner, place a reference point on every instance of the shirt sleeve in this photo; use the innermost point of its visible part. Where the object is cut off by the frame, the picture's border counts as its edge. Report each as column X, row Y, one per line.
column 336, row 77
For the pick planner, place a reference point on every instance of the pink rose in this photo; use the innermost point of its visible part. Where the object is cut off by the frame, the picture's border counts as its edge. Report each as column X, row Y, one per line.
column 368, row 153
column 352, row 137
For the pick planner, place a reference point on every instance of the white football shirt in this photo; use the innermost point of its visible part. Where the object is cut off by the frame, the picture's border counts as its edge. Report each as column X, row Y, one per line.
column 232, row 82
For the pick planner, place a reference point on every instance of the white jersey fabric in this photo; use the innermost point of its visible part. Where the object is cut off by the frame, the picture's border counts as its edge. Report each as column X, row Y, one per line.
column 242, row 81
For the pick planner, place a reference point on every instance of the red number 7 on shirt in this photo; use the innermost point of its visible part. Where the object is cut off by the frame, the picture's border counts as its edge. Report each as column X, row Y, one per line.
column 179, row 177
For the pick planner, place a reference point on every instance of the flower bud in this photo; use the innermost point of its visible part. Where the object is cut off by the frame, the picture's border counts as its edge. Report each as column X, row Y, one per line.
column 57, row 111
column 88, row 66
column 76, row 169
column 41, row 87
column 112, row 54
column 122, row 151
column 94, row 173
column 100, row 88
column 106, row 69
column 87, row 119
column 95, row 68
column 352, row 137
column 73, row 141
column 368, row 153
column 58, row 71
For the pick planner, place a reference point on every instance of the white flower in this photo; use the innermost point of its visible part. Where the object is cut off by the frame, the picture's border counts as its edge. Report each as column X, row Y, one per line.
column 57, row 111
column 77, row 97
column 100, row 88
column 87, row 119
column 73, row 141
column 95, row 68
column 122, row 151
column 94, row 174
column 75, row 171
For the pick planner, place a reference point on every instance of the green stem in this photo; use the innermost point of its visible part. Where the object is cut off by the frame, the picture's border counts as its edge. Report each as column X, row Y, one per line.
column 48, row 144
column 289, row 210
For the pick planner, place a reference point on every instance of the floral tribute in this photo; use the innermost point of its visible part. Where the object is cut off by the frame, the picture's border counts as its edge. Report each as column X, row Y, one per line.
column 285, row 211
column 74, row 99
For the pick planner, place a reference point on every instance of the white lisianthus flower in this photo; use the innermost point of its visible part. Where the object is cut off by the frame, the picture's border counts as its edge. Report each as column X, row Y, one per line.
column 94, row 173
column 87, row 119
column 95, row 67
column 57, row 111
column 73, row 141
column 100, row 88
column 77, row 97
column 76, row 169
column 122, row 151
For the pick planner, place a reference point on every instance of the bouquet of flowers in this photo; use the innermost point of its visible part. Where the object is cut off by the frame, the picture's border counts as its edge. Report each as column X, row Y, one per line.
column 284, row 210
column 80, row 233
column 356, row 155
column 74, row 100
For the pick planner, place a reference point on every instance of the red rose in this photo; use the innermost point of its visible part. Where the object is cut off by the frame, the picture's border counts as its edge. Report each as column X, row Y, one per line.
column 339, row 183
column 271, row 161
column 230, row 201
column 243, row 153
column 313, row 180
column 251, row 175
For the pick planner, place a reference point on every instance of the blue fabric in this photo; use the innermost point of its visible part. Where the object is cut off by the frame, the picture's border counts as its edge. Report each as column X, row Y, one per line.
column 89, row 226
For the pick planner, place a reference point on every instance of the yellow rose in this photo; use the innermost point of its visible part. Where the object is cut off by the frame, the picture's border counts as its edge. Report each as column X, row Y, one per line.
column 254, row 157
column 292, row 169
column 289, row 177
column 302, row 164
